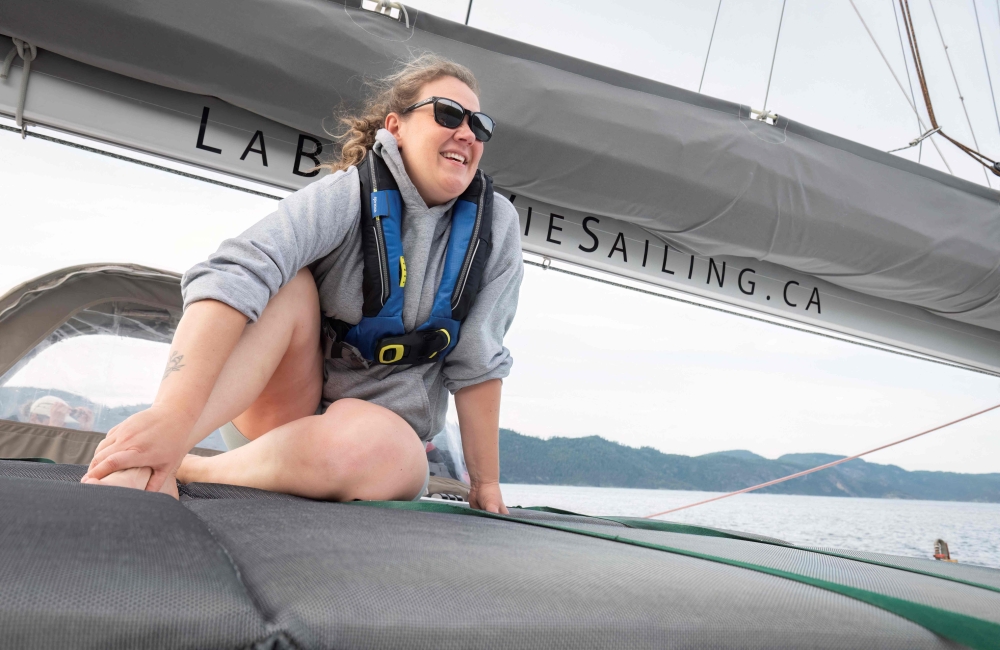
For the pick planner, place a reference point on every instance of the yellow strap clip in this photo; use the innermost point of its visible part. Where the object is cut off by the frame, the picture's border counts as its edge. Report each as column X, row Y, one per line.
column 447, row 336
column 402, row 271
column 397, row 351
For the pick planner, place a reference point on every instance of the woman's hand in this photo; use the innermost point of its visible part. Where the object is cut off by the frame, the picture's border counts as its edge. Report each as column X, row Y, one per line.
column 156, row 438
column 478, row 409
column 159, row 437
column 486, row 496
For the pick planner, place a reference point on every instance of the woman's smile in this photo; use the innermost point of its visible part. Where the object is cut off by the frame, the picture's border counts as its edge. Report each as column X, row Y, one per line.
column 455, row 158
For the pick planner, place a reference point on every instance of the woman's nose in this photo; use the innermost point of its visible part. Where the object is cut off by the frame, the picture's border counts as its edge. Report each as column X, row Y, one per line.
column 464, row 133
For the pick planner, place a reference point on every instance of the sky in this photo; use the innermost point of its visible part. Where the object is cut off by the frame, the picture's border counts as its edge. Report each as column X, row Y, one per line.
column 676, row 377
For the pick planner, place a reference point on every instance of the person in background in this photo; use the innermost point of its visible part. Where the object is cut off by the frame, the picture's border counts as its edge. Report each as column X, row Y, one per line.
column 54, row 412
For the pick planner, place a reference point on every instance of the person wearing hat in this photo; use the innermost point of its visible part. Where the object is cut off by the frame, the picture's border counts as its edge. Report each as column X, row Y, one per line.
column 54, row 412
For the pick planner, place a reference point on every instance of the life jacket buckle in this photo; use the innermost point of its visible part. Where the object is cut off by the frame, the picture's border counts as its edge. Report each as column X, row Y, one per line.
column 421, row 346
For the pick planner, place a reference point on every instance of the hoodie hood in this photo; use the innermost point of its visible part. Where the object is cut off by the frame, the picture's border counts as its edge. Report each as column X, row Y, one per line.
column 387, row 148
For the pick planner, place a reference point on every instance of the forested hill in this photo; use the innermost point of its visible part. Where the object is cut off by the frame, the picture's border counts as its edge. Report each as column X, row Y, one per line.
column 598, row 462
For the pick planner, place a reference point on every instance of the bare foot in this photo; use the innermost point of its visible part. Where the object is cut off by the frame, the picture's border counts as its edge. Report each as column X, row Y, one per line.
column 136, row 478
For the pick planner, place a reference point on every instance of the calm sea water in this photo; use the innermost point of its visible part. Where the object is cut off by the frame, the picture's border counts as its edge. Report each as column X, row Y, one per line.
column 972, row 530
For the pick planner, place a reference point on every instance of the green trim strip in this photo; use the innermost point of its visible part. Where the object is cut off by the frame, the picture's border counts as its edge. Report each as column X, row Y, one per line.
column 961, row 628
column 669, row 527
column 661, row 526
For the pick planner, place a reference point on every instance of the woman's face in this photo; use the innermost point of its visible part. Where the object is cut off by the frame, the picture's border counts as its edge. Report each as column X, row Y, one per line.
column 429, row 150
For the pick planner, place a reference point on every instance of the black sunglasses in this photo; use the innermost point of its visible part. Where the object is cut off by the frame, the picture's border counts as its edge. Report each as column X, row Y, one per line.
column 450, row 114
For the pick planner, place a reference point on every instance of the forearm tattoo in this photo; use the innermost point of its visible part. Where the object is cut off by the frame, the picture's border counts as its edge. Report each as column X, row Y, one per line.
column 174, row 365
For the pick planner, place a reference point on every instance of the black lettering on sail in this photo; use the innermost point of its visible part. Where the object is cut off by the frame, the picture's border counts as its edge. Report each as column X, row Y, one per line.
column 586, row 221
column 691, row 268
column 751, row 283
column 645, row 254
column 262, row 151
column 719, row 277
column 201, row 133
column 663, row 267
column 785, row 293
column 313, row 155
column 552, row 226
column 527, row 222
column 614, row 247
column 814, row 300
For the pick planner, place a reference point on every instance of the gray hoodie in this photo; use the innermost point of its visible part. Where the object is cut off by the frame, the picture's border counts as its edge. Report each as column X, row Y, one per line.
column 318, row 227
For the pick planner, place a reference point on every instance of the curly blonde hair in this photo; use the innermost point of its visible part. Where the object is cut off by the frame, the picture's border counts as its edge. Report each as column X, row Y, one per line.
column 392, row 94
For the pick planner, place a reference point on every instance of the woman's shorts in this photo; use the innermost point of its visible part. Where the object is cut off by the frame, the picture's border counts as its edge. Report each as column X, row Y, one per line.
column 233, row 439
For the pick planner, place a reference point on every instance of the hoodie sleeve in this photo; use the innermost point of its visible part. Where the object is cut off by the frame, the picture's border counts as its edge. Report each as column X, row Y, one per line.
column 480, row 354
column 248, row 270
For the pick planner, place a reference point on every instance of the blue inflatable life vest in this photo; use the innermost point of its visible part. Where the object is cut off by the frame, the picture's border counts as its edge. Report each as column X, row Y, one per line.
column 380, row 336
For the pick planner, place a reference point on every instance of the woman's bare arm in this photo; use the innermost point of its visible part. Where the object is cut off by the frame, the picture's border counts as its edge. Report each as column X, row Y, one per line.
column 159, row 437
column 205, row 338
column 479, row 419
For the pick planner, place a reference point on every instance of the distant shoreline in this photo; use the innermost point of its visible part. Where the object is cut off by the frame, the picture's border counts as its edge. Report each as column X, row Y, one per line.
column 595, row 462
column 751, row 494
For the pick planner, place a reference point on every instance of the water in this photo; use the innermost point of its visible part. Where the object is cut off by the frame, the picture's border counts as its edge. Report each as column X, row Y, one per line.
column 894, row 526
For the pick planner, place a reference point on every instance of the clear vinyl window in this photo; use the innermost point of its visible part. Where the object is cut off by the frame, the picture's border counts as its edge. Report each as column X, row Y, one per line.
column 99, row 367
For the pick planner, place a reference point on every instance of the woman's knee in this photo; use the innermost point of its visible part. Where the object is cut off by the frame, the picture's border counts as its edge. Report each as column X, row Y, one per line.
column 371, row 449
column 281, row 353
column 365, row 431
column 296, row 306
column 304, row 284
column 297, row 301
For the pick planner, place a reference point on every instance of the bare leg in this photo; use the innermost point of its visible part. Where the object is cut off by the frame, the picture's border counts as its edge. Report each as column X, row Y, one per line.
column 272, row 384
column 273, row 376
column 356, row 450
column 275, row 373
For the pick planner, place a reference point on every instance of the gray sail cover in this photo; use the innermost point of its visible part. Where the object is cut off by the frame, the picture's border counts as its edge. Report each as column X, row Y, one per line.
column 695, row 171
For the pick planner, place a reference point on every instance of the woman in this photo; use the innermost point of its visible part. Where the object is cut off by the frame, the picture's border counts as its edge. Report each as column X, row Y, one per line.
column 252, row 349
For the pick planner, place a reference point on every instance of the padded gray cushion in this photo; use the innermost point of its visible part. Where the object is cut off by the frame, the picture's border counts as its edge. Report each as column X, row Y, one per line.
column 84, row 566
column 229, row 567
column 360, row 577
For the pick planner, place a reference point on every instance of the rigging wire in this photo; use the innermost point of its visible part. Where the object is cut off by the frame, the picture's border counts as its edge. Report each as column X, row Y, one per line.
column 909, row 81
column 774, row 55
column 827, row 465
column 920, row 121
column 911, row 36
column 958, row 90
column 710, row 40
column 989, row 75
column 917, row 141
column 468, row 12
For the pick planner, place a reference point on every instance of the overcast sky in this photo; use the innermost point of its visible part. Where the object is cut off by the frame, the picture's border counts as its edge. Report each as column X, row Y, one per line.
column 595, row 360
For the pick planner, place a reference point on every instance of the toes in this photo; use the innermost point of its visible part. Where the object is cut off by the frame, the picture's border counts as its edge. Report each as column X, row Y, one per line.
column 135, row 477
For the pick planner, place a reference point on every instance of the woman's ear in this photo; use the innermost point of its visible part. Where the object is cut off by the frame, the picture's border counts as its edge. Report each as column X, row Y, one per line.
column 392, row 125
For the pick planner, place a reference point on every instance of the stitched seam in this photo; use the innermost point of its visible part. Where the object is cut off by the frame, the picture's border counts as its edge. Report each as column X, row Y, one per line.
column 269, row 626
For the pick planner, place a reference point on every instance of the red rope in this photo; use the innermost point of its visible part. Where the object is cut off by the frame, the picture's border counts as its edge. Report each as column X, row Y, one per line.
column 816, row 469
column 911, row 35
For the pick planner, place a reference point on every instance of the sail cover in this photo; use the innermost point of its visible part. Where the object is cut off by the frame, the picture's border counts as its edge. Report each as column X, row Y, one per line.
column 698, row 173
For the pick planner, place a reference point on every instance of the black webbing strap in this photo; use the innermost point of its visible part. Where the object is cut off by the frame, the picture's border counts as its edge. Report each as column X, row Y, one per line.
column 968, row 630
